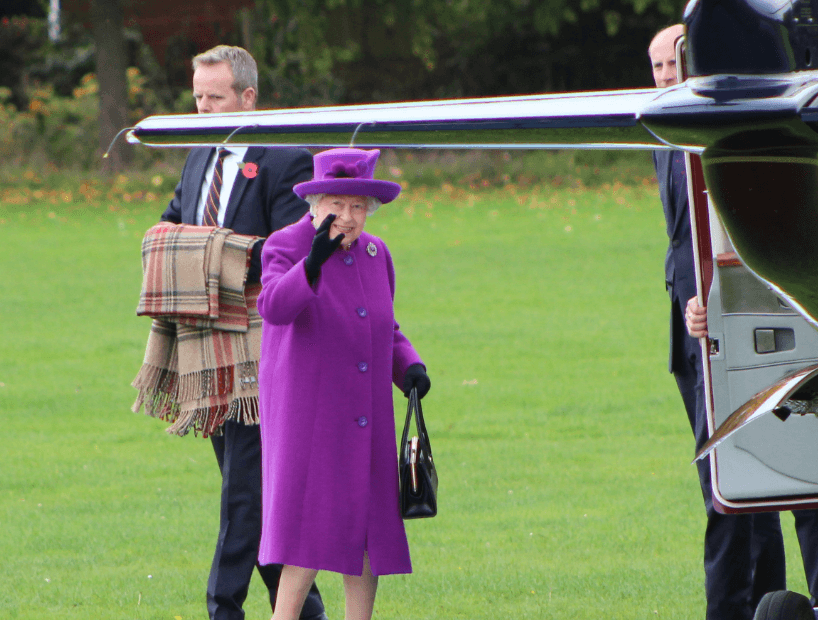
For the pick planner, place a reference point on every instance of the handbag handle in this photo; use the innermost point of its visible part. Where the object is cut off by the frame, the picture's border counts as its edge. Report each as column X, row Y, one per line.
column 423, row 436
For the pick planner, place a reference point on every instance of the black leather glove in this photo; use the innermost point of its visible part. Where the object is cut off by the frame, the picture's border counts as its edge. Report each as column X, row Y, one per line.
column 416, row 377
column 322, row 249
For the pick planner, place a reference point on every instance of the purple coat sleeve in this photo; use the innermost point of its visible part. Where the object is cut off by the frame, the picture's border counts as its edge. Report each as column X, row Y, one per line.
column 285, row 291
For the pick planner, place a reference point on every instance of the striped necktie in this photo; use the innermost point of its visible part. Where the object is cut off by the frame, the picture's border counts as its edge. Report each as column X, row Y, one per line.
column 211, row 212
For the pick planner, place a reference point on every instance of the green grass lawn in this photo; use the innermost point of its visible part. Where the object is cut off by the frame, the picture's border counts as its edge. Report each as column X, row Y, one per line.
column 563, row 449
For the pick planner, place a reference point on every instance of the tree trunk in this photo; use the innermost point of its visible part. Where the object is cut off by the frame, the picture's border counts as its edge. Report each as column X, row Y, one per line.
column 108, row 22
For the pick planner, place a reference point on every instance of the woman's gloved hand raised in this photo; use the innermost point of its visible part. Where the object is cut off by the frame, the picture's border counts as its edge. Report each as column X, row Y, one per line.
column 322, row 248
column 416, row 377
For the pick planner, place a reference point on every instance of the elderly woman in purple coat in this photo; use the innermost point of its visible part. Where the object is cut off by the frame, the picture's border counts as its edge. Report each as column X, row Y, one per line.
column 331, row 349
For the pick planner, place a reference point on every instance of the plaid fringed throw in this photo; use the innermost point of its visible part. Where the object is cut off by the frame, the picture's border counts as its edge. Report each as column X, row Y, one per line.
column 201, row 360
column 195, row 275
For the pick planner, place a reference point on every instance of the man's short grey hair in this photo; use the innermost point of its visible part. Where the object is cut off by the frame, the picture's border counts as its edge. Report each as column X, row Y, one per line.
column 242, row 64
column 372, row 203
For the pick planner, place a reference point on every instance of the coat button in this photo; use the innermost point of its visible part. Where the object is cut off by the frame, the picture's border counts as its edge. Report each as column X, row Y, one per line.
column 361, row 312
column 363, row 366
column 348, row 260
column 362, row 421
column 676, row 243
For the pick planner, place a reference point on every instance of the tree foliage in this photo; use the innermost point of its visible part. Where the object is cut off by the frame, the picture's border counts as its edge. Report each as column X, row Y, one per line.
column 318, row 52
column 346, row 51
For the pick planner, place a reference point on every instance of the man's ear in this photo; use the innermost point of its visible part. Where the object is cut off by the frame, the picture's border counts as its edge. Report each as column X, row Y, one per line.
column 248, row 99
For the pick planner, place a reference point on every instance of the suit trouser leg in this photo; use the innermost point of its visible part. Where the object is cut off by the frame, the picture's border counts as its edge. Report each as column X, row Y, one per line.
column 734, row 580
column 768, row 557
column 238, row 452
column 806, row 527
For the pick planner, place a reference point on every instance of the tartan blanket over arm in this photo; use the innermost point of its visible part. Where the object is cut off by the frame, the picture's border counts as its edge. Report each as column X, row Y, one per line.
column 201, row 360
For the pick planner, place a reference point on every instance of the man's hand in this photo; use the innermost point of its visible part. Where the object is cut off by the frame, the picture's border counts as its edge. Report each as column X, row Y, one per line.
column 696, row 318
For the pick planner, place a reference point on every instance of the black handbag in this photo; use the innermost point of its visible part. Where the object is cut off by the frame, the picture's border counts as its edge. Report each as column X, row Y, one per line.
column 418, row 476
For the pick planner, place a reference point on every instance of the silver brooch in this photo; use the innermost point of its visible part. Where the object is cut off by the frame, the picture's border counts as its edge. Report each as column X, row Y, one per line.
column 371, row 249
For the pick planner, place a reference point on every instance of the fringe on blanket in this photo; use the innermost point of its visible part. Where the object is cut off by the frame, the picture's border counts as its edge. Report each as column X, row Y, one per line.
column 168, row 397
column 209, row 420
column 217, row 381
column 157, row 388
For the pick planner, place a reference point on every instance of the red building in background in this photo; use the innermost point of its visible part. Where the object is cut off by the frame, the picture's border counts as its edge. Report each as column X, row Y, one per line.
column 176, row 30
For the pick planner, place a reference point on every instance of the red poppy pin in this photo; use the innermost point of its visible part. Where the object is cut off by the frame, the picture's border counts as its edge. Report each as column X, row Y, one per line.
column 249, row 169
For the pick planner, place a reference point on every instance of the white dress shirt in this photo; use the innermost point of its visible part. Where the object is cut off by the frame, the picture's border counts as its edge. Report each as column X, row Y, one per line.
column 230, row 168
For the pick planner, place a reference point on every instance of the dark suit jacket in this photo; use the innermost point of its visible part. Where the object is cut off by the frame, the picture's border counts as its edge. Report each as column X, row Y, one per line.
column 680, row 270
column 257, row 206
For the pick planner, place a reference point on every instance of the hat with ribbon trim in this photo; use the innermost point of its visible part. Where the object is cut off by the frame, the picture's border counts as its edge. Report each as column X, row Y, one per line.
column 347, row 172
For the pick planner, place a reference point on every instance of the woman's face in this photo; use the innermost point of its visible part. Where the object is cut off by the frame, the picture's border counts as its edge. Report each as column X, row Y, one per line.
column 350, row 212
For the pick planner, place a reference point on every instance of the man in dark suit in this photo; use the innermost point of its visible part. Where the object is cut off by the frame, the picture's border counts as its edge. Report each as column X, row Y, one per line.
column 766, row 550
column 743, row 554
column 255, row 197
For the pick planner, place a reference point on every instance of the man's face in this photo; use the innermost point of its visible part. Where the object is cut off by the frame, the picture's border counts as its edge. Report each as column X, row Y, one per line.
column 662, row 54
column 213, row 90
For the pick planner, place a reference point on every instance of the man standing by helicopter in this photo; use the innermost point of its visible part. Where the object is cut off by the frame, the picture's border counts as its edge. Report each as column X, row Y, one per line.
column 743, row 553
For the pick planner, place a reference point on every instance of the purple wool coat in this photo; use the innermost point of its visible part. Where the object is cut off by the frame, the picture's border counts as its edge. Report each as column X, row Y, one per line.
column 329, row 356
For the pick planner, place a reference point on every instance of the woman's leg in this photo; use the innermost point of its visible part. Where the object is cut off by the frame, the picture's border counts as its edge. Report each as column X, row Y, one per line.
column 360, row 593
column 292, row 591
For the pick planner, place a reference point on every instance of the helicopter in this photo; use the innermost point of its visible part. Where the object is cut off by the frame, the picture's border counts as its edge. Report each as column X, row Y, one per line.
column 746, row 117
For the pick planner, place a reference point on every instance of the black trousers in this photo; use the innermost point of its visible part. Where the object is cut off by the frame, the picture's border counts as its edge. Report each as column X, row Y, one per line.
column 743, row 553
column 238, row 452
column 806, row 527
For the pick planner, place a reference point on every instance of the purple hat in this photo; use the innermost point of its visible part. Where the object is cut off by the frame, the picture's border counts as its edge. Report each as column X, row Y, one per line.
column 347, row 172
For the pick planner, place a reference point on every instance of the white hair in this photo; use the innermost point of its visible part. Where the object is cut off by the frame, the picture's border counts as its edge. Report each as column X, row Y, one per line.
column 372, row 203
